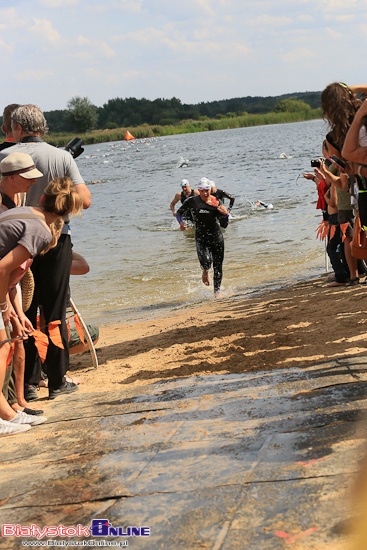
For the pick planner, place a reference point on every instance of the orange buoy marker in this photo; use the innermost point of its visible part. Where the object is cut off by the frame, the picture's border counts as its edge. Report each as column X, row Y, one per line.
column 128, row 136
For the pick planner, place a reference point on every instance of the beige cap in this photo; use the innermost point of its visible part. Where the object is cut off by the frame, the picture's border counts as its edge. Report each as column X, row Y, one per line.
column 21, row 164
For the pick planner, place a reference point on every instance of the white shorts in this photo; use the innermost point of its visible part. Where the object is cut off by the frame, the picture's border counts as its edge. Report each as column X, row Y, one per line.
column 2, row 326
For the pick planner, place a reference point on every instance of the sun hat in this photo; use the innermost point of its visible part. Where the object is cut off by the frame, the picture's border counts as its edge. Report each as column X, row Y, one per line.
column 19, row 164
column 184, row 183
column 204, row 184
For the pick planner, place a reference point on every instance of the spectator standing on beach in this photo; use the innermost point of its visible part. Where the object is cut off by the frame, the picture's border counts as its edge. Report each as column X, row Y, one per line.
column 52, row 271
column 355, row 148
column 339, row 107
column 25, row 233
column 14, row 186
column 6, row 126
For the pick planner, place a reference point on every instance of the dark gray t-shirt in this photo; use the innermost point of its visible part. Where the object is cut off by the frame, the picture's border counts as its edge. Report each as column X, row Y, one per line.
column 31, row 233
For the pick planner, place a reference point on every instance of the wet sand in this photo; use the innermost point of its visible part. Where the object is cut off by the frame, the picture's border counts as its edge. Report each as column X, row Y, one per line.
column 235, row 420
column 297, row 325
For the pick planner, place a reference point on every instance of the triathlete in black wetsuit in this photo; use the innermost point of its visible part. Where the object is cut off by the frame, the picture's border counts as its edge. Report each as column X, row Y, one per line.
column 220, row 194
column 185, row 194
column 207, row 210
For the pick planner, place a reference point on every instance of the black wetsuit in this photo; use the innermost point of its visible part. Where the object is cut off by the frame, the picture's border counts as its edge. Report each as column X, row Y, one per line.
column 187, row 217
column 220, row 194
column 208, row 235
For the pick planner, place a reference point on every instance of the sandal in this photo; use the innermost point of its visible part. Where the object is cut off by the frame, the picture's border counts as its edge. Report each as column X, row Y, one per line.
column 353, row 282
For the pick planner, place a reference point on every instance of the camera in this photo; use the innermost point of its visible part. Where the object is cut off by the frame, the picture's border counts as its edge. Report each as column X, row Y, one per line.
column 74, row 147
column 317, row 163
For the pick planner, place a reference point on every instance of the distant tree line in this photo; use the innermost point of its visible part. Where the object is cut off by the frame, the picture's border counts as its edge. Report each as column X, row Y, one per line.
column 82, row 116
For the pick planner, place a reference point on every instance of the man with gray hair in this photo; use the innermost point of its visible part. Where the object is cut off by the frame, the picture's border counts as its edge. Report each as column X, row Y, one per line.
column 52, row 271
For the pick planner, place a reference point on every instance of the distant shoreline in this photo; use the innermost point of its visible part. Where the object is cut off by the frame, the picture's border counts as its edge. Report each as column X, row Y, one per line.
column 146, row 131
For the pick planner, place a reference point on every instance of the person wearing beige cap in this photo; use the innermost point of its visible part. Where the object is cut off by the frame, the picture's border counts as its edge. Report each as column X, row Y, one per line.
column 25, row 233
column 18, row 176
column 51, row 271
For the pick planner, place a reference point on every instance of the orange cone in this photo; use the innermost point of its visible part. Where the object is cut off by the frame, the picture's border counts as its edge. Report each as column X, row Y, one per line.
column 128, row 136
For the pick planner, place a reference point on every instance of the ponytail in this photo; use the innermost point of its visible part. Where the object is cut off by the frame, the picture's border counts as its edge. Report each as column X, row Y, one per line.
column 61, row 198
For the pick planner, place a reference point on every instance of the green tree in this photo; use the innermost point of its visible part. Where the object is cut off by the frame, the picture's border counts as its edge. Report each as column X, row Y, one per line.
column 291, row 106
column 82, row 114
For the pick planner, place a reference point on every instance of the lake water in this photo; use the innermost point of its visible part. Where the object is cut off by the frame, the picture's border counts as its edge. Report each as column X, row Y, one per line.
column 140, row 262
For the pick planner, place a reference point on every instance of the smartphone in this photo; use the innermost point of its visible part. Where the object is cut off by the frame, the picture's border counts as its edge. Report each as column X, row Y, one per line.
column 338, row 163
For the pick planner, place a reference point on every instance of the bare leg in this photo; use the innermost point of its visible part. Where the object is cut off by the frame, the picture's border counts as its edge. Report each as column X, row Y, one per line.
column 351, row 260
column 6, row 412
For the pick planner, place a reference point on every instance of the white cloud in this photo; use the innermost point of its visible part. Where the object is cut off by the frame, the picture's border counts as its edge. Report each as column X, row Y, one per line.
column 130, row 6
column 9, row 19
column 343, row 4
column 6, row 47
column 95, row 47
column 58, row 3
column 33, row 76
column 334, row 34
column 340, row 18
column 206, row 6
column 274, row 21
column 43, row 28
column 299, row 55
column 110, row 78
column 306, row 18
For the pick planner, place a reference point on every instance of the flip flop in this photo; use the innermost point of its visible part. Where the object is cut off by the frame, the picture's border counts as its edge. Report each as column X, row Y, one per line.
column 353, row 282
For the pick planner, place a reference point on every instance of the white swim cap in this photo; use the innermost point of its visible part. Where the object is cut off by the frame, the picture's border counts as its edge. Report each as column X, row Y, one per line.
column 184, row 183
column 204, row 184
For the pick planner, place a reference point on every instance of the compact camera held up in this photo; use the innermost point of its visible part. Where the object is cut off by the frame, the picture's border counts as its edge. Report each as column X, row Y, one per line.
column 317, row 163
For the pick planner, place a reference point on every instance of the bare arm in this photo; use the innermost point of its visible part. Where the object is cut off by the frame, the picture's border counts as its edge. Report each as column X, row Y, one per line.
column 8, row 264
column 361, row 88
column 351, row 149
column 341, row 181
column 85, row 195
column 174, row 202
column 79, row 265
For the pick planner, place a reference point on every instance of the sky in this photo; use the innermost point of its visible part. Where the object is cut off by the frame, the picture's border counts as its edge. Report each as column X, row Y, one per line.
column 194, row 50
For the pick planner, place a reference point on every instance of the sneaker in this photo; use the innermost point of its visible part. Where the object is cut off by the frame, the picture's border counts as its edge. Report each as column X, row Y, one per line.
column 7, row 428
column 67, row 387
column 32, row 411
column 24, row 418
column 30, row 393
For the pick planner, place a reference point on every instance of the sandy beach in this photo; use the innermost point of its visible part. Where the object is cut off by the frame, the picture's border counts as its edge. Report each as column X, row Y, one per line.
column 229, row 425
column 297, row 325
